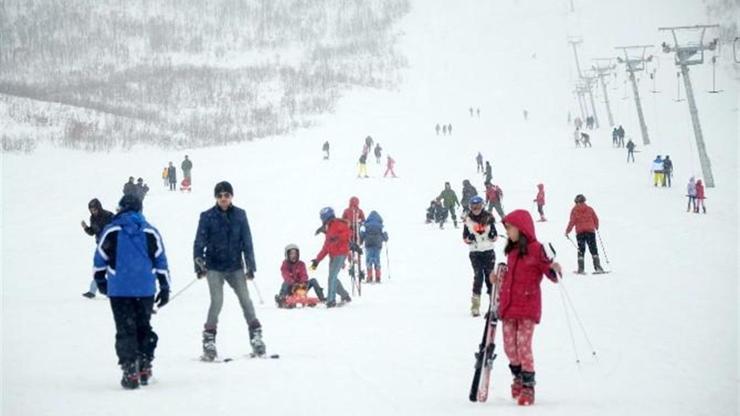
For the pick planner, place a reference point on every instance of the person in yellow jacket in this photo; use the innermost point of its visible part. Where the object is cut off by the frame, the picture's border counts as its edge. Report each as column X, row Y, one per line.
column 165, row 179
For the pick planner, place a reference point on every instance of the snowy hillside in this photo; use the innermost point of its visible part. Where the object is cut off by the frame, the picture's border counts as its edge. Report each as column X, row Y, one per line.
column 664, row 323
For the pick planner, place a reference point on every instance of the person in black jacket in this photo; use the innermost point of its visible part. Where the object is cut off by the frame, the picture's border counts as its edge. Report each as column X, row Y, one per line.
column 630, row 151
column 468, row 192
column 223, row 252
column 667, row 171
column 141, row 189
column 99, row 218
column 187, row 167
column 129, row 188
column 172, row 176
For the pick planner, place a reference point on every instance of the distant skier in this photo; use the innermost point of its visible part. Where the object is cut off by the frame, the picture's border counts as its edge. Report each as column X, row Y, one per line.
column 700, row 197
column 129, row 259
column 620, row 131
column 525, row 113
column 450, row 202
column 691, row 194
column 479, row 233
column 586, row 223
column 325, row 149
column 141, row 189
column 444, row 130
column 520, row 302
column 129, row 188
column 294, row 274
column 630, row 151
column 494, row 196
column 479, row 163
column 577, row 138
column 336, row 245
column 362, row 166
column 437, row 128
column 368, row 143
column 615, row 137
column 99, row 218
column 378, row 152
column 471, row 111
column 373, row 236
column 223, row 252
column 468, row 192
column 390, row 164
column 172, row 176
column 540, row 201
column 667, row 171
column 586, row 139
column 578, row 123
column 449, row 129
column 478, row 111
column 187, row 167
column 489, row 172
column 657, row 169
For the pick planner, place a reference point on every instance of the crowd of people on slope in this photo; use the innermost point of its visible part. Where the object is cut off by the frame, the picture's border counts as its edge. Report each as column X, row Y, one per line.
column 445, row 128
column 367, row 147
column 169, row 175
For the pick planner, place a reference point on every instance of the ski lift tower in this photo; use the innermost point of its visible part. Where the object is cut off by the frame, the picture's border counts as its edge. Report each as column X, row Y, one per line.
column 603, row 68
column 589, row 81
column 632, row 65
column 688, row 53
column 574, row 42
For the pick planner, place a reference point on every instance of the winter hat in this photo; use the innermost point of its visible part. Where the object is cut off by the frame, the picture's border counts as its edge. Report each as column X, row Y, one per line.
column 580, row 199
column 326, row 214
column 223, row 186
column 129, row 203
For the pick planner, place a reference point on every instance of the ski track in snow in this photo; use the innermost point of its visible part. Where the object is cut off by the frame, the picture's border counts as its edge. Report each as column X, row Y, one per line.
column 663, row 323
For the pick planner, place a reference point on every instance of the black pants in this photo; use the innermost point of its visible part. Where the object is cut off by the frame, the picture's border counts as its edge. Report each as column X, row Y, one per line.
column 452, row 213
column 587, row 238
column 483, row 263
column 630, row 155
column 173, row 185
column 134, row 336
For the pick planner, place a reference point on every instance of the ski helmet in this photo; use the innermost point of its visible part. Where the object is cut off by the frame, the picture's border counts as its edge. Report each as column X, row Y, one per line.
column 580, row 199
column 476, row 200
column 292, row 247
column 326, row 214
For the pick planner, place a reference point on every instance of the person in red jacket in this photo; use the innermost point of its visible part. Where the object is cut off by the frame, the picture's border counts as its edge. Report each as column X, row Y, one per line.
column 494, row 195
column 520, row 303
column 336, row 245
column 540, row 200
column 700, row 197
column 389, row 167
column 584, row 219
column 294, row 273
column 354, row 216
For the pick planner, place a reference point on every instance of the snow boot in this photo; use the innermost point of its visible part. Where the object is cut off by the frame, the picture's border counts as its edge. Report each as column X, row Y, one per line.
column 377, row 275
column 526, row 397
column 255, row 338
column 209, row 345
column 88, row 295
column 516, row 385
column 597, row 264
column 145, row 371
column 320, row 294
column 475, row 305
column 369, row 278
column 581, row 265
column 130, row 379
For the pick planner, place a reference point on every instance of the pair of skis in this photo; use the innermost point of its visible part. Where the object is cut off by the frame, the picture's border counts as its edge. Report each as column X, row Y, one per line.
column 355, row 258
column 486, row 350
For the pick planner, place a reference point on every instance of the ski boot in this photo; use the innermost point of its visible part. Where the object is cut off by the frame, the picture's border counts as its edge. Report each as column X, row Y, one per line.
column 581, row 265
column 255, row 339
column 145, row 371
column 516, row 385
column 130, row 379
column 526, row 397
column 209, row 345
column 280, row 301
column 88, row 295
column 369, row 279
column 597, row 265
column 320, row 294
column 475, row 305
column 377, row 275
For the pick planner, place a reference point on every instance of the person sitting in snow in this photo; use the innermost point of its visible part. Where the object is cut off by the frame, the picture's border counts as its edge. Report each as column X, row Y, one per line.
column 430, row 211
column 295, row 275
column 373, row 236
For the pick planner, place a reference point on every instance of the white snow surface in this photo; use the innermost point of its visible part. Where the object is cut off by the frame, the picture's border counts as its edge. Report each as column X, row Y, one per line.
column 664, row 323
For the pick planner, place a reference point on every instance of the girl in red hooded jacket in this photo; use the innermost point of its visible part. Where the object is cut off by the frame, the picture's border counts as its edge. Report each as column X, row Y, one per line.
column 540, row 200
column 700, row 197
column 520, row 303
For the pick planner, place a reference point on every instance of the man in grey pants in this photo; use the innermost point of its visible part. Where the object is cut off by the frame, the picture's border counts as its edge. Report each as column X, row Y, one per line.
column 223, row 252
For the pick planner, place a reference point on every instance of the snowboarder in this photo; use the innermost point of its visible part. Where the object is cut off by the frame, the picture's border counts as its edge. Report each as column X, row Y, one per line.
column 657, row 169
column 336, row 245
column 165, row 180
column 294, row 275
column 450, row 202
column 468, row 192
column 586, row 223
column 129, row 259
column 172, row 176
column 479, row 233
column 223, row 252
column 540, row 200
column 691, row 194
column 141, row 189
column 373, row 236
column 667, row 171
column 489, row 172
column 362, row 166
column 129, row 188
column 436, row 128
column 378, row 152
column 99, row 218
column 494, row 195
column 479, row 163
column 390, row 163
column 630, row 151
column 325, row 148
column 520, row 300
column 187, row 167
column 700, row 197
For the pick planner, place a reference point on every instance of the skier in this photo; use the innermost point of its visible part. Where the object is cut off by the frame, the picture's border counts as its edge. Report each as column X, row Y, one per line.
column 325, row 148
column 223, row 252
column 336, row 245
column 578, row 122
column 449, row 129
column 494, row 195
column 444, row 130
column 390, row 163
column 172, row 176
column 471, row 111
column 691, row 193
column 141, row 189
column 165, row 180
column 620, row 131
column 294, row 274
column 373, row 236
column 667, row 171
column 489, row 172
column 368, row 144
column 657, row 169
column 540, row 200
column 354, row 216
column 478, row 112
column 479, row 163
column 129, row 258
column 450, row 202
column 615, row 137
column 586, row 223
column 586, row 139
column 700, row 197
column 526, row 114
column 187, row 167
column 630, row 151
column 436, row 128
column 468, row 192
column 99, row 218
column 479, row 233
column 362, row 166
column 129, row 188
column 520, row 300
column 378, row 152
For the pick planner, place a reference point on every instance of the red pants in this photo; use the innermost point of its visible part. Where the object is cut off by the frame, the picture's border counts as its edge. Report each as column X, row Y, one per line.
column 518, row 342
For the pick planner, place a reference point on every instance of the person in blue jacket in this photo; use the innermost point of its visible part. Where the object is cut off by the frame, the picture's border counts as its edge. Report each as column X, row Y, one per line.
column 223, row 252
column 373, row 236
column 128, row 261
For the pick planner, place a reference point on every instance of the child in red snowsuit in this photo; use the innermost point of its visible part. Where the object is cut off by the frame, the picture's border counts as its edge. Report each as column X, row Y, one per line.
column 389, row 167
column 520, row 303
column 540, row 200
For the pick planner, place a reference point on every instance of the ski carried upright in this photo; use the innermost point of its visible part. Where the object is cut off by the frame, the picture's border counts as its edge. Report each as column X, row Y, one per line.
column 486, row 350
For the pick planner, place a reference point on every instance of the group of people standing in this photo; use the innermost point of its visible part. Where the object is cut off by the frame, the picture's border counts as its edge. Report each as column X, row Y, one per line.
column 169, row 175
column 445, row 128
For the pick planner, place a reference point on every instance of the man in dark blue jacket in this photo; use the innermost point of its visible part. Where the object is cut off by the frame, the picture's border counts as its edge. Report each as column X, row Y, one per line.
column 99, row 218
column 223, row 252
column 129, row 258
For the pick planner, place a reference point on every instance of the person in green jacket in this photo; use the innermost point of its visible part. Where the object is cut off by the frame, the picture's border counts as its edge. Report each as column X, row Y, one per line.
column 450, row 201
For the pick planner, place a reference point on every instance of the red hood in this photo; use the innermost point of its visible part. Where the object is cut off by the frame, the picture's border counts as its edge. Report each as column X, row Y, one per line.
column 540, row 186
column 354, row 202
column 523, row 221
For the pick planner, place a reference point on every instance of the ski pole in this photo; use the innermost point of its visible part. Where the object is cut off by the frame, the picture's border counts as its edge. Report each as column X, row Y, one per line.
column 570, row 328
column 257, row 289
column 571, row 241
column 388, row 261
column 602, row 247
column 578, row 319
column 179, row 292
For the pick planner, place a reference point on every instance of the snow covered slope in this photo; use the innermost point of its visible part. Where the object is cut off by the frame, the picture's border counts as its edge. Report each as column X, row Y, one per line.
column 664, row 323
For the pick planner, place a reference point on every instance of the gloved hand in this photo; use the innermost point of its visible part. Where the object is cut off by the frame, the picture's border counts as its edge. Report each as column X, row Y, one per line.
column 162, row 297
column 314, row 264
column 201, row 270
column 249, row 274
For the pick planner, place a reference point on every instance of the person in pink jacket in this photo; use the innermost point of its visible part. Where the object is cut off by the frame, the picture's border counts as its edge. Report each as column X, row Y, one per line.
column 520, row 303
column 700, row 197
column 540, row 200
